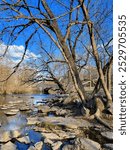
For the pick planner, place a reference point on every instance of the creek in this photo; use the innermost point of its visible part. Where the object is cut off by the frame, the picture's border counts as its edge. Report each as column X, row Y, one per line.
column 11, row 122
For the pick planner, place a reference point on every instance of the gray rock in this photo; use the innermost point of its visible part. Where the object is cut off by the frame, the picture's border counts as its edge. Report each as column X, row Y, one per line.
column 107, row 135
column 68, row 147
column 51, row 136
column 48, row 141
column 44, row 109
column 39, row 145
column 86, row 144
column 39, row 129
column 58, row 135
column 11, row 112
column 61, row 112
column 65, row 135
column 32, row 120
column 24, row 108
column 67, row 101
column 69, row 122
column 56, row 146
column 108, row 146
column 9, row 146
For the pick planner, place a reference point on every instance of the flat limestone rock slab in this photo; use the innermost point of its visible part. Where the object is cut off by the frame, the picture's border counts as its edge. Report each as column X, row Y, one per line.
column 32, row 120
column 107, row 135
column 9, row 146
column 5, row 137
column 69, row 122
column 87, row 144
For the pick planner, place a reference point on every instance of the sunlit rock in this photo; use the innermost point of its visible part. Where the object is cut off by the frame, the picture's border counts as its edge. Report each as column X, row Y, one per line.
column 56, row 146
column 5, row 136
column 9, row 146
column 39, row 145
column 24, row 139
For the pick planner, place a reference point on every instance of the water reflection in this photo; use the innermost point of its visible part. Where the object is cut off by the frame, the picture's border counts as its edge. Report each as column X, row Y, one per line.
column 18, row 122
column 13, row 102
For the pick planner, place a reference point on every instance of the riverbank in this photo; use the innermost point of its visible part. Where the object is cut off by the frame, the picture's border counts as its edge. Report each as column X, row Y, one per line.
column 54, row 122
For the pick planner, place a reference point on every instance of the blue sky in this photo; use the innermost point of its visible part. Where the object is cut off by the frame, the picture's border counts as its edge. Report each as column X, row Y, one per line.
column 58, row 10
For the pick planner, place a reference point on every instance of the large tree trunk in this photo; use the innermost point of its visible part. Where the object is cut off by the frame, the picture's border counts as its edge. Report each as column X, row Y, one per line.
column 67, row 54
column 73, row 70
column 95, row 52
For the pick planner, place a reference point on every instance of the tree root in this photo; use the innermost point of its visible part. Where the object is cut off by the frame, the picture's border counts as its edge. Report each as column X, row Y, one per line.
column 98, row 118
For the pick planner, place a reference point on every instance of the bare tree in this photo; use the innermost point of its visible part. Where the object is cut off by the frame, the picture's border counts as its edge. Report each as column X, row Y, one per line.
column 66, row 29
column 46, row 72
column 95, row 51
column 47, row 20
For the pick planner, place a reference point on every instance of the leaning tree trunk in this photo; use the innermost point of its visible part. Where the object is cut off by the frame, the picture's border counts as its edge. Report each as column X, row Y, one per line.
column 95, row 52
column 53, row 25
column 73, row 70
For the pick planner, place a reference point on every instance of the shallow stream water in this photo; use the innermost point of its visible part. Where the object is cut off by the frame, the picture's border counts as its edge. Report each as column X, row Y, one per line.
column 19, row 121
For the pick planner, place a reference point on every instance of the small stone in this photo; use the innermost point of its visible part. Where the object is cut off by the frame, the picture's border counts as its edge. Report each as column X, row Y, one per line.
column 64, row 135
column 15, row 110
column 25, row 108
column 48, row 141
column 44, row 109
column 67, row 101
column 68, row 147
column 32, row 121
column 107, row 135
column 86, row 144
column 39, row 145
column 31, row 148
column 51, row 136
column 61, row 112
column 24, row 139
column 39, row 129
column 9, row 146
column 10, row 113
column 72, row 126
column 56, row 146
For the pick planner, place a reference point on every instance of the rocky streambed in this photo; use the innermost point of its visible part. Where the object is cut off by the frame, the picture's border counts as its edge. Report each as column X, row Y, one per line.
column 45, row 122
